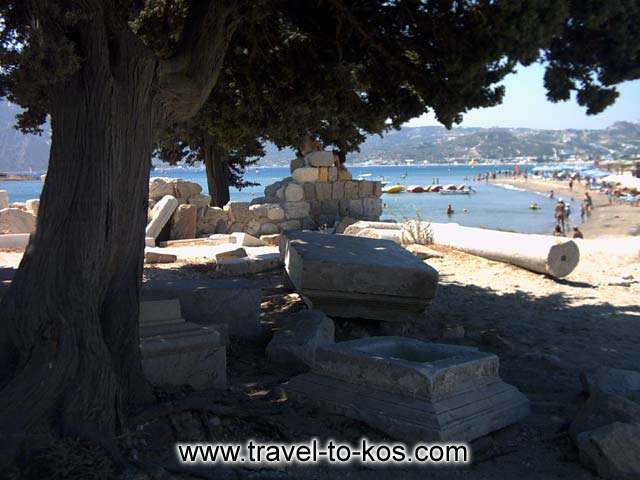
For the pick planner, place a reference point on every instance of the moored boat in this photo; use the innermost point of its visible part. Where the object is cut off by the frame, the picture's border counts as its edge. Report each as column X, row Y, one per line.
column 397, row 188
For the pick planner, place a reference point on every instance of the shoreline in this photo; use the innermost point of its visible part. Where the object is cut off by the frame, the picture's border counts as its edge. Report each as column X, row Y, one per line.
column 606, row 220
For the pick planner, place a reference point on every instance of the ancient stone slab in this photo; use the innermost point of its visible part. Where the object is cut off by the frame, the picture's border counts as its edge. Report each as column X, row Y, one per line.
column 356, row 208
column 262, row 262
column 275, row 212
column 333, row 174
column 331, row 207
column 305, row 174
column 357, row 227
column 296, row 210
column 160, row 187
column 294, row 192
column 337, row 191
column 301, row 334
column 211, row 220
column 162, row 213
column 4, row 199
column 222, row 238
column 246, row 240
column 234, row 253
column 356, row 277
column 239, row 211
column 365, row 189
column 351, row 190
column 613, row 451
column 270, row 190
column 185, row 189
column 183, row 222
column 372, row 208
column 289, row 225
column 344, row 207
column 613, row 381
column 268, row 229
column 253, row 227
column 157, row 256
column 200, row 200
column 323, row 191
column 233, row 266
column 272, row 240
column 412, row 390
column 377, row 189
column 315, row 208
column 33, row 206
column 296, row 163
column 323, row 174
column 602, row 409
column 235, row 302
column 14, row 240
column 15, row 220
column 177, row 352
column 259, row 209
column 309, row 191
column 320, row 159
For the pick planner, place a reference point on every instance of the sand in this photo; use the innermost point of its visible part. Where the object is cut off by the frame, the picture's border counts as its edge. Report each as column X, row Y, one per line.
column 606, row 220
column 547, row 332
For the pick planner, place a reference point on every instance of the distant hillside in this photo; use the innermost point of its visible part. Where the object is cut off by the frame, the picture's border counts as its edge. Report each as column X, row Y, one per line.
column 20, row 153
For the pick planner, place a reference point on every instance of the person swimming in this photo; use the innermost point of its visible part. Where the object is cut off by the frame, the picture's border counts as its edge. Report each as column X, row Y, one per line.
column 450, row 210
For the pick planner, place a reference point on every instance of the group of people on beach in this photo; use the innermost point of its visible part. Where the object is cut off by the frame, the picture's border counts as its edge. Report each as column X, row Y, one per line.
column 562, row 214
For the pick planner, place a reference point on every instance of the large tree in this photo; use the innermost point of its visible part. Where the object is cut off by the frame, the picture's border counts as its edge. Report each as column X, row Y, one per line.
column 69, row 354
column 277, row 90
column 114, row 74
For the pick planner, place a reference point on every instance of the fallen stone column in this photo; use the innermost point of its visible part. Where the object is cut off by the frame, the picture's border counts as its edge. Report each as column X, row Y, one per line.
column 162, row 213
column 553, row 256
column 14, row 240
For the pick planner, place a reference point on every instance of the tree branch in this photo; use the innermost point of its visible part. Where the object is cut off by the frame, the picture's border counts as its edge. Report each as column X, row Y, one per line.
column 187, row 78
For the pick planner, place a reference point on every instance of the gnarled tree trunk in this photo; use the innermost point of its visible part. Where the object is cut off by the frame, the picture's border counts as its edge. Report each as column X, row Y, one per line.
column 69, row 321
column 215, row 162
column 69, row 342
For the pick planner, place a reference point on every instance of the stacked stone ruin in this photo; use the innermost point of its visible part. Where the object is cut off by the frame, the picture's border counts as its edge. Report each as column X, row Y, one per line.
column 317, row 195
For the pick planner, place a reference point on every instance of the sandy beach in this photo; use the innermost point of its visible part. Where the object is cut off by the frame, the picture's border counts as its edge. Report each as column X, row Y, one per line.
column 606, row 220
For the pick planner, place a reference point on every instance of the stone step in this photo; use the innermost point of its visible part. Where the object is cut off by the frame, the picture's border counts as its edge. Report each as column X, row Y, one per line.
column 160, row 312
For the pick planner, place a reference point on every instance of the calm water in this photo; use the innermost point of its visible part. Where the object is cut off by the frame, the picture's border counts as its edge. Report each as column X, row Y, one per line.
column 491, row 207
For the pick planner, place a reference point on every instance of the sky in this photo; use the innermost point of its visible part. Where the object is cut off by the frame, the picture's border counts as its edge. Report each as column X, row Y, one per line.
column 525, row 105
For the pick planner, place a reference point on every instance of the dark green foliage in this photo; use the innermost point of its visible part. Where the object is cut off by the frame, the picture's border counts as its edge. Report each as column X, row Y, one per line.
column 598, row 47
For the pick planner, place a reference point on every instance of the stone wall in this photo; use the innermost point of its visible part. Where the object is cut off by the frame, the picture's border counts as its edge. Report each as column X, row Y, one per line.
column 317, row 195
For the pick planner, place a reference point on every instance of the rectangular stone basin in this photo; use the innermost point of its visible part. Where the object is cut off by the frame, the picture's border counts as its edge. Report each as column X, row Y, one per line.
column 412, row 390
column 408, row 366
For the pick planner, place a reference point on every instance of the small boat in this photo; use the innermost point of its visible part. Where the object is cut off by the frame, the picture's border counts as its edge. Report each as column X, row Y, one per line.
column 397, row 188
column 415, row 189
column 534, row 206
column 460, row 190
column 455, row 192
column 450, row 187
column 435, row 188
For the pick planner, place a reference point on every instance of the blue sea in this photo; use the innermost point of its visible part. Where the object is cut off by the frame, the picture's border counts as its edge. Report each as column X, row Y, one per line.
column 491, row 207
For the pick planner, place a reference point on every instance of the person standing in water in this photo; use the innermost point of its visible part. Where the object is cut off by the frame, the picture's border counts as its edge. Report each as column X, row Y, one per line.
column 559, row 214
column 450, row 210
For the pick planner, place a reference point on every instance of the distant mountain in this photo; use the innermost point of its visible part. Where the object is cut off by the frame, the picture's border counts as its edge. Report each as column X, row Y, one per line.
column 20, row 153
